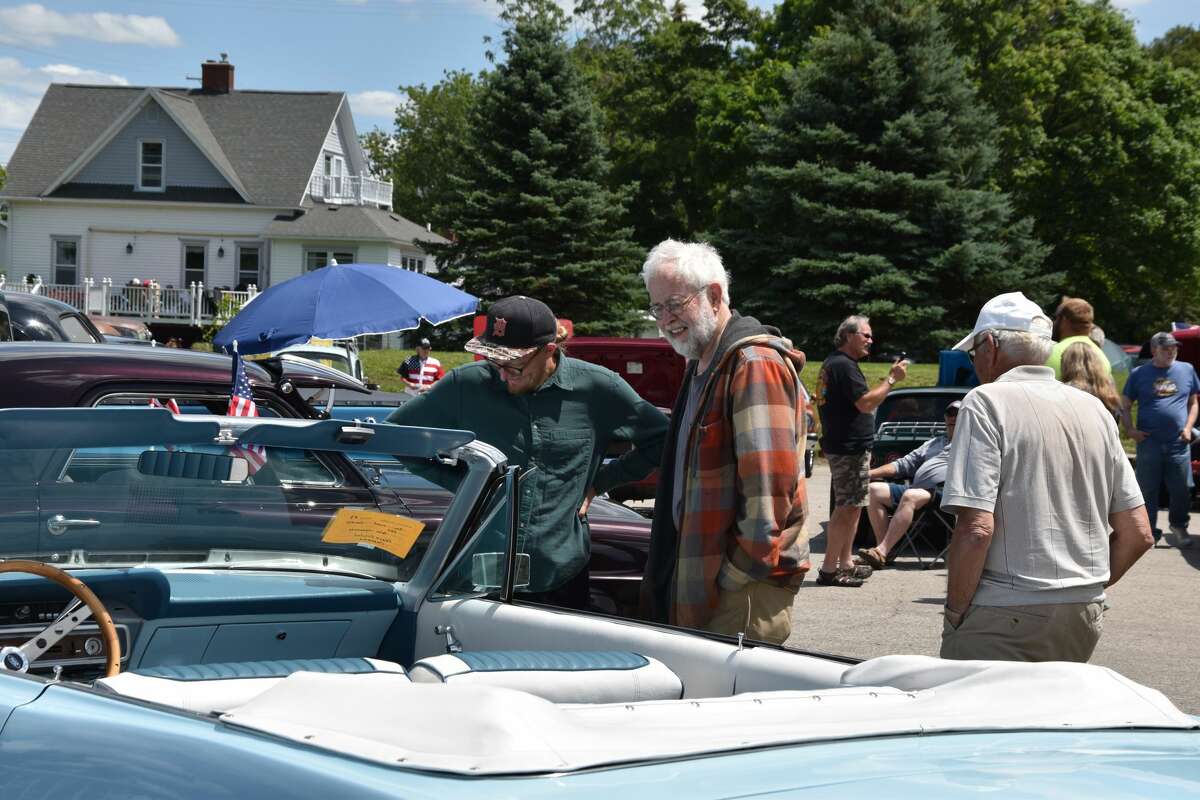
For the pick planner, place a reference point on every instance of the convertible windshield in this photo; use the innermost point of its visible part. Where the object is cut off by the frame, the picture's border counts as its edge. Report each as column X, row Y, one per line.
column 251, row 496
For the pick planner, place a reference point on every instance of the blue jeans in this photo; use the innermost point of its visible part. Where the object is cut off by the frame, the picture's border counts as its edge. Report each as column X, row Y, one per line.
column 1170, row 463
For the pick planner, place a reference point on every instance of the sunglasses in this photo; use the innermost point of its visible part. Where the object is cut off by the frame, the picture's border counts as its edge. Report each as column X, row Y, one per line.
column 515, row 367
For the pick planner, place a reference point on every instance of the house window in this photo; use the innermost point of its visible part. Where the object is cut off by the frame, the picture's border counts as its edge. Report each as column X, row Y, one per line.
column 66, row 260
column 150, row 165
column 195, row 259
column 315, row 259
column 249, row 261
column 413, row 264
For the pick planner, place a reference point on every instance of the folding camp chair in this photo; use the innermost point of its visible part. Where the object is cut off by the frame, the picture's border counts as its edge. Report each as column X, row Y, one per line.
column 926, row 533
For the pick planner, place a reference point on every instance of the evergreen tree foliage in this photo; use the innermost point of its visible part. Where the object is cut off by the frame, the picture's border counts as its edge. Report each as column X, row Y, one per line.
column 528, row 206
column 871, row 193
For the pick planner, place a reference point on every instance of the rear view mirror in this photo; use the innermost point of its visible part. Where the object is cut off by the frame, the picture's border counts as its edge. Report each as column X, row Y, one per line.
column 487, row 571
column 196, row 466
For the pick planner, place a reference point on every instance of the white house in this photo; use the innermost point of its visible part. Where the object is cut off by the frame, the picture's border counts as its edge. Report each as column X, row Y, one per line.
column 184, row 187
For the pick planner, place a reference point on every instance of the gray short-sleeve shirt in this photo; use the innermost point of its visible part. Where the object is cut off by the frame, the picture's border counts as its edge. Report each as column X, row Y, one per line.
column 1047, row 460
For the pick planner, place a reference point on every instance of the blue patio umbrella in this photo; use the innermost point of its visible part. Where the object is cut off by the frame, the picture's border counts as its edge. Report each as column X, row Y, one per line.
column 340, row 301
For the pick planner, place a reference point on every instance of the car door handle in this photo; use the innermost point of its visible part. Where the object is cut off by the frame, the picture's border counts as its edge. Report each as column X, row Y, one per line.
column 58, row 524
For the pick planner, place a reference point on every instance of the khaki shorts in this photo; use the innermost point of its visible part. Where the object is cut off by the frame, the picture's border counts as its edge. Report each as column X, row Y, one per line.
column 1051, row 632
column 848, row 475
column 763, row 611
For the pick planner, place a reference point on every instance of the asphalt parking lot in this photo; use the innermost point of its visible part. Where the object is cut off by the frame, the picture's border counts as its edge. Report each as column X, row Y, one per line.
column 1151, row 632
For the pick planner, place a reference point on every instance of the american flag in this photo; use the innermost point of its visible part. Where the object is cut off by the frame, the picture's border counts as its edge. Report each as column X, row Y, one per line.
column 241, row 404
column 171, row 405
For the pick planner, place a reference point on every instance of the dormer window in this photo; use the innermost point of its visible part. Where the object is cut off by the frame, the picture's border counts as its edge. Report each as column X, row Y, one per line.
column 150, row 165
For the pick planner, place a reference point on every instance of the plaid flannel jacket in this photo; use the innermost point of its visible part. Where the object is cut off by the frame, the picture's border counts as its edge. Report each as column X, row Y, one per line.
column 744, row 500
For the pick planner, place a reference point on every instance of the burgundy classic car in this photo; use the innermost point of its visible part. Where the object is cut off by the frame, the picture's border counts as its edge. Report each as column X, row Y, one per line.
column 61, row 374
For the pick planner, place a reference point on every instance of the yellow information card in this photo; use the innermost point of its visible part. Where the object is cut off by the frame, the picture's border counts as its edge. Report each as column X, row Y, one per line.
column 376, row 528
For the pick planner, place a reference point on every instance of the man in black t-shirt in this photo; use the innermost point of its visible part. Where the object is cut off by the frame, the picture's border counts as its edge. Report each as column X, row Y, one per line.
column 847, row 406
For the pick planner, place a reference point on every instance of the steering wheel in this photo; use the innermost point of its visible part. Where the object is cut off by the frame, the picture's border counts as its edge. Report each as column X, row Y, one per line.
column 18, row 659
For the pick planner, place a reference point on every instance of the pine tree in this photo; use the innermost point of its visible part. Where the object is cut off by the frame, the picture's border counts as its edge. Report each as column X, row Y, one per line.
column 528, row 207
column 871, row 193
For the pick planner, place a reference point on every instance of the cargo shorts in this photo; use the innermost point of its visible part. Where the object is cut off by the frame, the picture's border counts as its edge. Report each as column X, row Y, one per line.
column 848, row 476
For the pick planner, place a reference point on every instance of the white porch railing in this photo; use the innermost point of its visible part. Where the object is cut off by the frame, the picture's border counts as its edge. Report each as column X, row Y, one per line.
column 193, row 305
column 351, row 189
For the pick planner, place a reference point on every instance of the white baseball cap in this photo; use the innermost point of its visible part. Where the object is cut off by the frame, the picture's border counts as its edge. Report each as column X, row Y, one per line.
column 1011, row 311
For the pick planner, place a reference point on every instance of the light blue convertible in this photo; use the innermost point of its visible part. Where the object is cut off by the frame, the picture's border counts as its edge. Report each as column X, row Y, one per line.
column 180, row 617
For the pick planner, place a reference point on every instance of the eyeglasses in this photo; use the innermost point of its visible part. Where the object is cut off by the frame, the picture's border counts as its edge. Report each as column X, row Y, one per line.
column 867, row 336
column 673, row 306
column 512, row 366
column 976, row 343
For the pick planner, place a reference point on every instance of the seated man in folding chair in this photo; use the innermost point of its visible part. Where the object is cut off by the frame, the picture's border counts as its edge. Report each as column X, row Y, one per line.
column 892, row 506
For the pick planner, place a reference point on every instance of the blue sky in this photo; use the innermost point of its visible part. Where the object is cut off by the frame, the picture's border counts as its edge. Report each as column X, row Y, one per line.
column 364, row 47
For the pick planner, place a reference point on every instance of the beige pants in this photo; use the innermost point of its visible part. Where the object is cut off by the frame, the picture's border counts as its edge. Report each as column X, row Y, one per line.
column 1052, row 632
column 762, row 610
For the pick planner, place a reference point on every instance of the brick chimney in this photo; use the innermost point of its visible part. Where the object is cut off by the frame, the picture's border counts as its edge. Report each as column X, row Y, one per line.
column 217, row 76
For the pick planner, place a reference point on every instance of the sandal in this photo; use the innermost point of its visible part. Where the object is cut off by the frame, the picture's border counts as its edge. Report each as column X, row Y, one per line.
column 863, row 571
column 838, row 578
column 872, row 556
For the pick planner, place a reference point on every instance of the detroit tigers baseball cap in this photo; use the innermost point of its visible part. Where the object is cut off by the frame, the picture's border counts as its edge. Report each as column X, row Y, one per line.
column 516, row 326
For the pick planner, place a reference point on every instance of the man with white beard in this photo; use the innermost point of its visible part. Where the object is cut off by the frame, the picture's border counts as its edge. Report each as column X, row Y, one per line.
column 728, row 546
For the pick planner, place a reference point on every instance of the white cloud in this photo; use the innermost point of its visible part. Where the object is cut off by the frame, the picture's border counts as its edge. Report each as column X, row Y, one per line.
column 33, row 23
column 16, row 110
column 17, row 76
column 375, row 103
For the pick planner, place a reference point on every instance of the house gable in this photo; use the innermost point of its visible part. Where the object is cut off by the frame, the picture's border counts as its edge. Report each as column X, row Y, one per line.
column 183, row 163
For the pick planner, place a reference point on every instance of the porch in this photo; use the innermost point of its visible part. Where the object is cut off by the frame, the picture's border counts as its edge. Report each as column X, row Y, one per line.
column 147, row 301
column 351, row 189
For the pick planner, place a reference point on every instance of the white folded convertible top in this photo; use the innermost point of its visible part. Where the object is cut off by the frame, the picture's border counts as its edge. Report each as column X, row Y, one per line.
column 475, row 730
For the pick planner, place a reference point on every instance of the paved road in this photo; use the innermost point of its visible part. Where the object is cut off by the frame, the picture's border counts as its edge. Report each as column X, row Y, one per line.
column 1151, row 633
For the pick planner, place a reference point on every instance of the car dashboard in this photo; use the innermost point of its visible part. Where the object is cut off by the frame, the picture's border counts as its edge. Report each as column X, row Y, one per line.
column 194, row 616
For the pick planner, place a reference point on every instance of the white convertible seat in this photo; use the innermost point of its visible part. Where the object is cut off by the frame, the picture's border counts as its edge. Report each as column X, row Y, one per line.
column 561, row 676
column 208, row 688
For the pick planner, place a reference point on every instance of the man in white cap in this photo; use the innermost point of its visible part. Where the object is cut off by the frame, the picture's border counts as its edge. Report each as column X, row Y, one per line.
column 1037, row 478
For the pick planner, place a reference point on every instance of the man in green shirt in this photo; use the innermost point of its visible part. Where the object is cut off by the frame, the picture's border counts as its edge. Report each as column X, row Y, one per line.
column 1073, row 322
column 543, row 409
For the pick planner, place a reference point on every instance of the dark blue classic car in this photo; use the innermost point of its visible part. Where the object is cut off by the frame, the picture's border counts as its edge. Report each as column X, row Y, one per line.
column 56, row 375
column 175, row 622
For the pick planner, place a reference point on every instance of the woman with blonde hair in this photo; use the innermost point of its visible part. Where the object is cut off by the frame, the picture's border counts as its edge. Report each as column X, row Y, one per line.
column 1085, row 367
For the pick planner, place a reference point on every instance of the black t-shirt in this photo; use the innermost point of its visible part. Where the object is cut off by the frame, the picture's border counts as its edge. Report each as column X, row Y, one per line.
column 844, row 429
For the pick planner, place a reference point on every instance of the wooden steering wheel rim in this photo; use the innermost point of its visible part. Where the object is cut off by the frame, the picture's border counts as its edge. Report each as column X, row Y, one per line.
column 108, row 631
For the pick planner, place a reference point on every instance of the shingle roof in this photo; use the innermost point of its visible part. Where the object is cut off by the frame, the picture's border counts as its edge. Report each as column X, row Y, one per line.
column 361, row 223
column 268, row 140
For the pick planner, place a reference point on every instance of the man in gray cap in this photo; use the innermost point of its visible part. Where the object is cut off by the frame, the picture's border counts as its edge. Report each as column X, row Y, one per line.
column 891, row 506
column 1037, row 478
column 1165, row 391
column 558, row 414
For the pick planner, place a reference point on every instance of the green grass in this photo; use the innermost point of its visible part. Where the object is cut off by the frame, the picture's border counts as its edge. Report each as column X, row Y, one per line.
column 381, row 365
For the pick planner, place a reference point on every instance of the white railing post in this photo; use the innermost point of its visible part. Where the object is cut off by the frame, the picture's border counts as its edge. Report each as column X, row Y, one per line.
column 200, row 302
column 37, row 284
column 2, row 277
column 106, row 295
column 87, row 295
